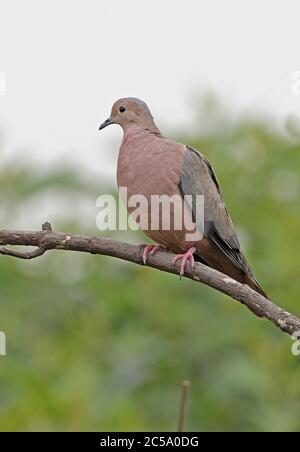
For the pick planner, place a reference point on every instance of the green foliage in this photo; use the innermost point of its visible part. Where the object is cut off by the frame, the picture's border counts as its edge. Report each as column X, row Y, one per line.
column 94, row 343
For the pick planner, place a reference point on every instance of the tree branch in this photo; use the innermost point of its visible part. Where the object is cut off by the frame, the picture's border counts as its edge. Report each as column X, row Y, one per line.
column 48, row 240
column 185, row 386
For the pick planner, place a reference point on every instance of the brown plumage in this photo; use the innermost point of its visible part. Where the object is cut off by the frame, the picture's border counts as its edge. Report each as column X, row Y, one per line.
column 150, row 164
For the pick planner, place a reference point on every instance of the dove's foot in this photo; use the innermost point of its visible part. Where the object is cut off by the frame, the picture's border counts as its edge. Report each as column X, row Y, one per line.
column 188, row 256
column 150, row 249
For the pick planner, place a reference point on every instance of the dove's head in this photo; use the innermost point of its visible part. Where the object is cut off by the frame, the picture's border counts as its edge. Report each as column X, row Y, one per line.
column 128, row 112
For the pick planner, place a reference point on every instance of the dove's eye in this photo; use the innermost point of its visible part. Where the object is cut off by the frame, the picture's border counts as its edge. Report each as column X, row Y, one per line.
column 122, row 109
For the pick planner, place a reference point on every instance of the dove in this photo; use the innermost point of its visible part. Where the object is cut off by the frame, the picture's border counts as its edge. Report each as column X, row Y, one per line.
column 151, row 165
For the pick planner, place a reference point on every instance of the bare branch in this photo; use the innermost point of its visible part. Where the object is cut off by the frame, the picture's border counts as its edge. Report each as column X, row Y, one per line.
column 185, row 386
column 48, row 240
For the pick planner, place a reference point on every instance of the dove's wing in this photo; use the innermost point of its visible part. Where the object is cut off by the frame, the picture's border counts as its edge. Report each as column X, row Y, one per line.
column 198, row 178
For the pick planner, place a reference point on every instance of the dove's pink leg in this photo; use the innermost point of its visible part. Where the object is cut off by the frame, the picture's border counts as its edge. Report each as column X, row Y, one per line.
column 150, row 249
column 188, row 256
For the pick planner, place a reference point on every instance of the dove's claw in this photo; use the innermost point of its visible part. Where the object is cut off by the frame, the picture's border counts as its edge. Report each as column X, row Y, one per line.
column 149, row 249
column 188, row 256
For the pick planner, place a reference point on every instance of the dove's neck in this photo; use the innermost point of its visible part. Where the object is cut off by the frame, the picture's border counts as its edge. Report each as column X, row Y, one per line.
column 140, row 130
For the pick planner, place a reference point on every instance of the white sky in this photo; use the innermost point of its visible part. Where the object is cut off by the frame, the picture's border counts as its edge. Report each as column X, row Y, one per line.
column 66, row 61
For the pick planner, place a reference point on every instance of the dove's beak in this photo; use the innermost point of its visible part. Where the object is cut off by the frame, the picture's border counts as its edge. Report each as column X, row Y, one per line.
column 106, row 123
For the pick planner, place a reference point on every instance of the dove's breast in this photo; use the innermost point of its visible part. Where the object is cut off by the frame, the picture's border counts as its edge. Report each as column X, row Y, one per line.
column 149, row 169
column 149, row 165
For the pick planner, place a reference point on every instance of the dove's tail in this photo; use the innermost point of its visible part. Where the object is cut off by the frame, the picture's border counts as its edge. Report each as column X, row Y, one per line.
column 251, row 282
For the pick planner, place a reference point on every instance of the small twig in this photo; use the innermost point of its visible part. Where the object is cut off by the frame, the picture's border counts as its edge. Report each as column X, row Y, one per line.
column 26, row 255
column 185, row 386
column 47, row 226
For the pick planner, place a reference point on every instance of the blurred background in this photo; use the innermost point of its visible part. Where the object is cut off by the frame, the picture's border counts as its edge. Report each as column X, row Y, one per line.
column 98, row 344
